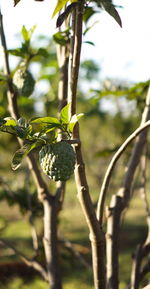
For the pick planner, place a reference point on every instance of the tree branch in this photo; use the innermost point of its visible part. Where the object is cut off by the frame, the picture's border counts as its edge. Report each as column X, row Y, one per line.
column 76, row 253
column 31, row 263
column 118, row 154
column 97, row 237
column 14, row 112
column 120, row 200
column 48, row 201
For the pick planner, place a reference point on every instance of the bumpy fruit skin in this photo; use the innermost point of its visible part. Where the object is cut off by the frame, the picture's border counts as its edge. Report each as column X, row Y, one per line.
column 57, row 160
column 24, row 82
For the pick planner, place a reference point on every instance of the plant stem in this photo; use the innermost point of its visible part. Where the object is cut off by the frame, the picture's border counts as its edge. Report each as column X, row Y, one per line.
column 120, row 201
column 50, row 243
column 111, row 167
column 97, row 237
column 31, row 263
column 47, row 200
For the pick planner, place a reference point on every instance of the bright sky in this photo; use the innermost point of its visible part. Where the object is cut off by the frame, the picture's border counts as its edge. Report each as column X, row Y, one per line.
column 122, row 53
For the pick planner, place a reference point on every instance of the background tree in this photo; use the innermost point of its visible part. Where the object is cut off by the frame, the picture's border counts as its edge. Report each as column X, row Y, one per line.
column 36, row 132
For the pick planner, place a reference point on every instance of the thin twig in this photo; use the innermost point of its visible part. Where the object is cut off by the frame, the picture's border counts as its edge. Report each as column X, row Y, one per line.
column 107, row 177
column 143, row 184
column 34, row 264
column 119, row 202
column 76, row 253
column 131, row 166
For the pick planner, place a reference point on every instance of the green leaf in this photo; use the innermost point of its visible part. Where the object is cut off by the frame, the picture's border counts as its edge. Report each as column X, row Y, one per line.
column 64, row 114
column 45, row 124
column 17, row 52
column 90, row 27
column 61, row 18
column 47, row 120
column 89, row 12
column 3, row 77
column 10, row 121
column 89, row 42
column 110, row 9
column 26, row 34
column 21, row 122
column 61, row 38
column 60, row 4
column 20, row 132
column 21, row 153
column 73, row 121
column 18, row 157
column 2, row 121
column 10, row 125
column 42, row 52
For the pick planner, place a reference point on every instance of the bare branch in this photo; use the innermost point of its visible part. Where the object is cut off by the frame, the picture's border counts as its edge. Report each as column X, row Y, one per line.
column 143, row 184
column 97, row 236
column 118, row 154
column 48, row 201
column 135, row 275
column 11, row 95
column 120, row 200
column 145, row 269
column 76, row 253
column 31, row 263
column 138, row 273
column 50, row 243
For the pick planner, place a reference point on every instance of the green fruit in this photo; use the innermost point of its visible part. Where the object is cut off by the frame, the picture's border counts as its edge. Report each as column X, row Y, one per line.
column 57, row 160
column 23, row 82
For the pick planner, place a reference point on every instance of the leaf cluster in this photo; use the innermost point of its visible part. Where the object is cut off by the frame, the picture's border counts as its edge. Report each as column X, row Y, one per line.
column 38, row 131
column 25, row 51
column 24, row 200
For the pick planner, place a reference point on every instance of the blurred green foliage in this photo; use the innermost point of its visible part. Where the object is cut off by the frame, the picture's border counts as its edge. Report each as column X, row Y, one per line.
column 112, row 112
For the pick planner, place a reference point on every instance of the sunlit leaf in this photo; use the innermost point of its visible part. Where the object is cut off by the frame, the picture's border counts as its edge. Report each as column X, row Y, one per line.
column 64, row 114
column 73, row 121
column 10, row 121
column 60, row 4
column 17, row 52
column 26, row 34
column 61, row 38
column 45, row 124
column 46, row 120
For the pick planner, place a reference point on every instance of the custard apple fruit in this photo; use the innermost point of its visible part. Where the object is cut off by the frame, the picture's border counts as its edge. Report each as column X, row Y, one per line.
column 24, row 82
column 57, row 160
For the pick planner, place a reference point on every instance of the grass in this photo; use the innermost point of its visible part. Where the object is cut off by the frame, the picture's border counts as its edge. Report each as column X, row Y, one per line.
column 72, row 226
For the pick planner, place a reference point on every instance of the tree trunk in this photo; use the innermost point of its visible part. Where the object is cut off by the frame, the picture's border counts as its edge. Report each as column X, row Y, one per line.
column 51, row 243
